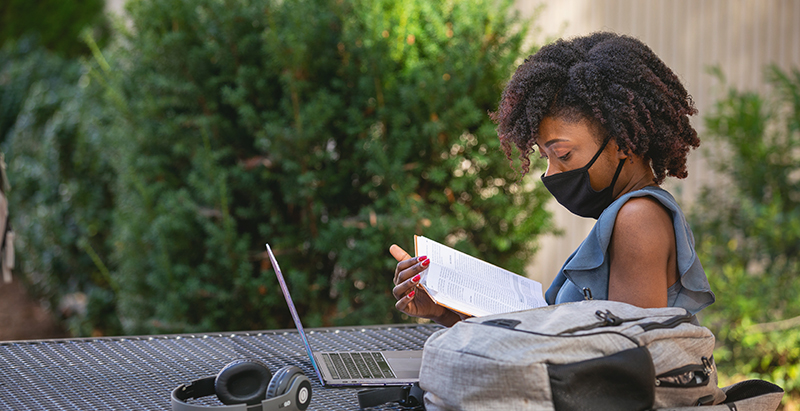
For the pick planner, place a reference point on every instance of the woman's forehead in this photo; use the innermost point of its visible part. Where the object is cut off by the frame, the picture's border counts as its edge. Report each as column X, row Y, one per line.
column 555, row 129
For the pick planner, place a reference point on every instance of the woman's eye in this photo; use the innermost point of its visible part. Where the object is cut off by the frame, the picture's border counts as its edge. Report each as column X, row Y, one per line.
column 564, row 157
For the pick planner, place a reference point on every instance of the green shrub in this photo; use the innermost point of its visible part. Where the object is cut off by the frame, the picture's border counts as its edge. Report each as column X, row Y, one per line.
column 329, row 130
column 23, row 63
column 55, row 24
column 60, row 200
column 748, row 232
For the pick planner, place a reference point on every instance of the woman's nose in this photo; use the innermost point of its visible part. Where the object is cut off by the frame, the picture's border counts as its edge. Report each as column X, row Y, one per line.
column 550, row 170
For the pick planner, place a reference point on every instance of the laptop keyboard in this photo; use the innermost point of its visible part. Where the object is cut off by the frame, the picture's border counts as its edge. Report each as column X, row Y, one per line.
column 357, row 365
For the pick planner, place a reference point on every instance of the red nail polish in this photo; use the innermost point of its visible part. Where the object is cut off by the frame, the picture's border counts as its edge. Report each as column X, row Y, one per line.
column 425, row 263
column 422, row 258
column 411, row 294
column 416, row 278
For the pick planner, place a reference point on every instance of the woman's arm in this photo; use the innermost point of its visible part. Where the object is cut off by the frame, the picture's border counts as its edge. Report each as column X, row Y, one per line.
column 643, row 259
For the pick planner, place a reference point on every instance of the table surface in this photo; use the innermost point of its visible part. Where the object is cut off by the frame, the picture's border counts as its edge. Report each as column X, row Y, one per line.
column 139, row 373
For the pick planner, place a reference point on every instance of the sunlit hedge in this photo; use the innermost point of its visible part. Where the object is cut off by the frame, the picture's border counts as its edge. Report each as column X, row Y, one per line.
column 748, row 232
column 328, row 129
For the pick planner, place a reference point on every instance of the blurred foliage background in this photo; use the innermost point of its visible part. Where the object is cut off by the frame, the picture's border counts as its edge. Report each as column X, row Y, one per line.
column 150, row 159
column 55, row 24
column 747, row 230
column 148, row 173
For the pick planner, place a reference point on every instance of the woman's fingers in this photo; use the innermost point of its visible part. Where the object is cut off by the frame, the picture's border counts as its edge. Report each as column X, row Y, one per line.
column 408, row 268
column 398, row 253
column 403, row 303
column 407, row 276
column 406, row 286
column 404, row 260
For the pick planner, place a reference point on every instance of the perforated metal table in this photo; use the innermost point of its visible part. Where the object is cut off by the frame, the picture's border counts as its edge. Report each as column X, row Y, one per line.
column 139, row 373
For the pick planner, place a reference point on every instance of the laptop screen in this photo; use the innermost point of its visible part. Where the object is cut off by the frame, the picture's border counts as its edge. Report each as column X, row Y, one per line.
column 293, row 310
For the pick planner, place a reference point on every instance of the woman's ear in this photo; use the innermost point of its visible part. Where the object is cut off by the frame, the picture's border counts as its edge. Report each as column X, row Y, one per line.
column 621, row 154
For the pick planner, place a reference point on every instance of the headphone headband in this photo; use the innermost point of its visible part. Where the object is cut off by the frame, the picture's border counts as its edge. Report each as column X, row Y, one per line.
column 290, row 390
column 195, row 389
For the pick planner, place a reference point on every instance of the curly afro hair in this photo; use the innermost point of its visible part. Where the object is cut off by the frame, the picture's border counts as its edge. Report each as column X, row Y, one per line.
column 616, row 83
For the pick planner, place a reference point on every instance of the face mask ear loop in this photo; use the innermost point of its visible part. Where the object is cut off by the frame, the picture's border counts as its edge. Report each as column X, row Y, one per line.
column 619, row 170
column 597, row 154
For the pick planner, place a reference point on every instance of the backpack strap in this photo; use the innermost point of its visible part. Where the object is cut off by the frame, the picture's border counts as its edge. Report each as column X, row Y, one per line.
column 750, row 395
column 753, row 395
column 409, row 396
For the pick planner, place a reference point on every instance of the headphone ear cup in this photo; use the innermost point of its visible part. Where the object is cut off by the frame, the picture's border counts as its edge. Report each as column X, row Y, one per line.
column 303, row 398
column 242, row 381
column 280, row 382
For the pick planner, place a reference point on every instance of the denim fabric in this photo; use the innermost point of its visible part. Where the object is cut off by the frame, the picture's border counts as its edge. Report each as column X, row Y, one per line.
column 588, row 266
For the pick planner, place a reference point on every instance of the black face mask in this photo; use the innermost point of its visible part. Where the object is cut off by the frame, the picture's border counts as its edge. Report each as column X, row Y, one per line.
column 573, row 191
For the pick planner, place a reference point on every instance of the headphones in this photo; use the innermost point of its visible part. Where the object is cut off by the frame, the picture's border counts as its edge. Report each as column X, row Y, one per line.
column 248, row 385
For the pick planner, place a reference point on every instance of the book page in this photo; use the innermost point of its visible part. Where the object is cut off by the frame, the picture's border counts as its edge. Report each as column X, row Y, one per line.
column 472, row 286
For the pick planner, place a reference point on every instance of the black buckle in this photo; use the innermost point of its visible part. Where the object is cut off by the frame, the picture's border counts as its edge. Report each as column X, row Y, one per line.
column 407, row 396
column 414, row 397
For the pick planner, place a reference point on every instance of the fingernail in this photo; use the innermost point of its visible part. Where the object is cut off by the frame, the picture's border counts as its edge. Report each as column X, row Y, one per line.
column 411, row 294
column 416, row 278
column 425, row 263
column 422, row 258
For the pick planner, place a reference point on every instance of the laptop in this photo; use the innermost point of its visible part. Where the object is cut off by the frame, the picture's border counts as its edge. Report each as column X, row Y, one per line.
column 354, row 368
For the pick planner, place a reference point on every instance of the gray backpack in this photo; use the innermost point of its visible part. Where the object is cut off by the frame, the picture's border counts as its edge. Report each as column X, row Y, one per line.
column 588, row 355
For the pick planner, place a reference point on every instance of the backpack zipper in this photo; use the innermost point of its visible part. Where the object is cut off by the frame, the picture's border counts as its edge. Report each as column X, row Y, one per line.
column 669, row 323
column 511, row 325
column 692, row 375
column 606, row 319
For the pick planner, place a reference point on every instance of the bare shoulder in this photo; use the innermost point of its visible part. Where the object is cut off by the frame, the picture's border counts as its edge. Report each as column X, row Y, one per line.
column 644, row 210
column 642, row 254
column 643, row 219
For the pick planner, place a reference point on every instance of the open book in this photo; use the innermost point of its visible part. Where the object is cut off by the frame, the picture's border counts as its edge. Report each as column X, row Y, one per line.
column 471, row 286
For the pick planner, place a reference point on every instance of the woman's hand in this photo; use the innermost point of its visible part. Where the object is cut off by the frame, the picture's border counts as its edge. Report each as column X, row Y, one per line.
column 411, row 299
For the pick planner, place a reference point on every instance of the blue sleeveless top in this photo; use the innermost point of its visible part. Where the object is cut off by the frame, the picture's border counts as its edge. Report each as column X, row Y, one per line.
column 588, row 266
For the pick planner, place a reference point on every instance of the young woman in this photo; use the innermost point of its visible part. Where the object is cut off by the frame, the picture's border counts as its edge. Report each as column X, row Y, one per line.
column 612, row 120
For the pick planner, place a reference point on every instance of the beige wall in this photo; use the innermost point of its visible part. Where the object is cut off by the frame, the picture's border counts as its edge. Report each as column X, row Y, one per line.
column 741, row 36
